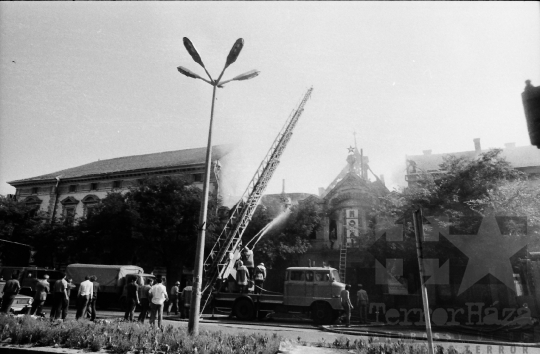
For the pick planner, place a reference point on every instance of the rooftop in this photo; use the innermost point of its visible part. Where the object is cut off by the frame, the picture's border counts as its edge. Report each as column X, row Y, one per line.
column 517, row 156
column 134, row 163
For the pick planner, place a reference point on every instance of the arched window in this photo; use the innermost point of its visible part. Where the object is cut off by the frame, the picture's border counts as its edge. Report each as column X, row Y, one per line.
column 33, row 203
column 69, row 209
column 90, row 202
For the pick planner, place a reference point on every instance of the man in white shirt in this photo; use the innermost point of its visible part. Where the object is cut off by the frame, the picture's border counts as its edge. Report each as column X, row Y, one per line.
column 158, row 293
column 83, row 297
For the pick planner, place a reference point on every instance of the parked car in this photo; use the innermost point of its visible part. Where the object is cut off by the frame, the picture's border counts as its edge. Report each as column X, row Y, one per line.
column 22, row 303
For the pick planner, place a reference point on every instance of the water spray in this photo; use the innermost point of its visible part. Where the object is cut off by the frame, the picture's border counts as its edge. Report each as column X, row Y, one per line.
column 268, row 226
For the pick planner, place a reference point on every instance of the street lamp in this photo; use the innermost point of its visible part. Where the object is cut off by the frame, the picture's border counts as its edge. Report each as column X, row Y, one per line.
column 193, row 324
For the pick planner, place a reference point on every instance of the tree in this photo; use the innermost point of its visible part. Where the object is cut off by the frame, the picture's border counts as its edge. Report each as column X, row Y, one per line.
column 17, row 223
column 110, row 224
column 459, row 193
column 166, row 215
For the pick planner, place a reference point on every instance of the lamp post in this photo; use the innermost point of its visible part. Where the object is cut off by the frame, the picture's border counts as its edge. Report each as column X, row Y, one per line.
column 193, row 324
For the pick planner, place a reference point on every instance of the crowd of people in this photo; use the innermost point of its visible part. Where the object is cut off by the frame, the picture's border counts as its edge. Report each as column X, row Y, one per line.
column 152, row 297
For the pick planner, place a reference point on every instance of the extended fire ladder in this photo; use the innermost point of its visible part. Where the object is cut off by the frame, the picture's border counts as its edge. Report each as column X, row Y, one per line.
column 220, row 261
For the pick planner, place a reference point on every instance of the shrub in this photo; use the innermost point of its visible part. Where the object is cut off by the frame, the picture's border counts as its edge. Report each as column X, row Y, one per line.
column 121, row 337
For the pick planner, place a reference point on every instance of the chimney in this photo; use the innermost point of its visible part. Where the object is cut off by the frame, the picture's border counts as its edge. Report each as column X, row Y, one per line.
column 426, row 152
column 283, row 191
column 509, row 145
column 382, row 180
column 477, row 147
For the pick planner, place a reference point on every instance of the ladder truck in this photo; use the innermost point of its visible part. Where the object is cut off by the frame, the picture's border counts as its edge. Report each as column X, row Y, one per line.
column 314, row 290
column 220, row 261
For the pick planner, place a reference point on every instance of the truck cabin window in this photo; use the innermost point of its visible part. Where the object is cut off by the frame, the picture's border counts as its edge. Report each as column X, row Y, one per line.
column 297, row 276
column 309, row 276
column 335, row 275
column 322, row 276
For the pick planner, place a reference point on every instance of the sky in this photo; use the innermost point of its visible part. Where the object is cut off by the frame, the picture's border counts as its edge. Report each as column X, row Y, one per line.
column 82, row 81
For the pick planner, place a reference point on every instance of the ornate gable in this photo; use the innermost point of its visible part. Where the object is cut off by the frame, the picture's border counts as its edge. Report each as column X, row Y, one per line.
column 90, row 198
column 32, row 200
column 69, row 201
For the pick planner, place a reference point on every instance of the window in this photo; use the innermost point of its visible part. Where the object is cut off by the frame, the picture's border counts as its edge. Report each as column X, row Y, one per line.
column 69, row 214
column 34, row 190
column 297, row 275
column 90, row 209
column 90, row 202
column 309, row 276
column 313, row 233
column 198, row 177
column 322, row 276
column 94, row 186
column 335, row 275
column 72, row 188
column 117, row 184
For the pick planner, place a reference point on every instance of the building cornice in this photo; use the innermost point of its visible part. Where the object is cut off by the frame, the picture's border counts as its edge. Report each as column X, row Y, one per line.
column 114, row 175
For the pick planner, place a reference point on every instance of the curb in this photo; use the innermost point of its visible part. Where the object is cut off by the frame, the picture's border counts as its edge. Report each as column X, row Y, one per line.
column 39, row 350
column 287, row 347
column 253, row 323
column 446, row 340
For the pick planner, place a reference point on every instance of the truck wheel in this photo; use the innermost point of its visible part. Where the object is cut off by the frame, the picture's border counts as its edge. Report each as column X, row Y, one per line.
column 244, row 309
column 321, row 313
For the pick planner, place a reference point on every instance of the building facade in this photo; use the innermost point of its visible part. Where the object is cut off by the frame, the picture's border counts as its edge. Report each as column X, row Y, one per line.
column 73, row 192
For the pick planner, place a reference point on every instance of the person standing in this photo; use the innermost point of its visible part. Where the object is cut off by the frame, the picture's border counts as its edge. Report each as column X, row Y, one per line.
column 60, row 299
column 91, row 309
column 173, row 299
column 247, row 257
column 70, row 286
column 158, row 294
column 362, row 301
column 144, row 298
column 40, row 296
column 347, row 305
column 260, row 277
column 242, row 276
column 11, row 289
column 83, row 297
column 132, row 299
column 186, row 299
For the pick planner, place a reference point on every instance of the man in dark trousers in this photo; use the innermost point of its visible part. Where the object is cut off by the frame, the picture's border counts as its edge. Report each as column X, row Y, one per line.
column 11, row 289
column 347, row 305
column 186, row 299
column 362, row 301
column 42, row 289
column 60, row 299
column 132, row 299
column 91, row 309
column 173, row 299
column 83, row 297
column 144, row 298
